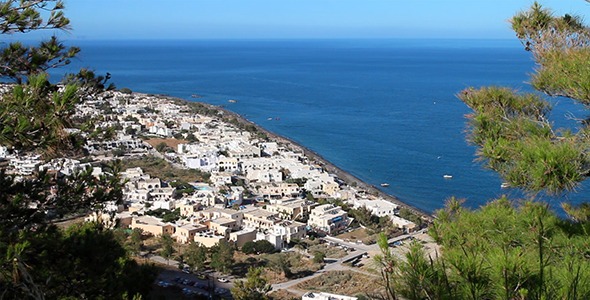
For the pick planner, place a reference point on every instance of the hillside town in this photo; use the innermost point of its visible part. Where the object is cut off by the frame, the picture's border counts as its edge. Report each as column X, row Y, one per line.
column 249, row 188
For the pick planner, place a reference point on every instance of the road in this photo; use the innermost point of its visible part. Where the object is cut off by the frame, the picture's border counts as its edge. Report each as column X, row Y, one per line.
column 176, row 277
column 331, row 265
column 337, row 264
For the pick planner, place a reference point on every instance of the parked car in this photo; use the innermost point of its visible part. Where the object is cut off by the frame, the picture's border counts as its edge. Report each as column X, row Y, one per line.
column 163, row 284
column 221, row 279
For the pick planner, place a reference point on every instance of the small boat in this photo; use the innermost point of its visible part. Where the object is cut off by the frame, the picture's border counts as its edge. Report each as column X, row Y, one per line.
column 505, row 185
column 196, row 96
column 447, row 176
column 385, row 184
column 269, row 119
column 232, row 101
column 277, row 118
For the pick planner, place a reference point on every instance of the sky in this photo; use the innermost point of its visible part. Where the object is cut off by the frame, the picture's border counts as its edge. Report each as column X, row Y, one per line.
column 287, row 19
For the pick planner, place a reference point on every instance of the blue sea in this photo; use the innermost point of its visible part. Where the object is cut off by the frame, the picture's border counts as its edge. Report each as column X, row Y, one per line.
column 383, row 110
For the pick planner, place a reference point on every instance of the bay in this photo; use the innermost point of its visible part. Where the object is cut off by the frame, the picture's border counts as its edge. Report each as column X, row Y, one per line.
column 383, row 110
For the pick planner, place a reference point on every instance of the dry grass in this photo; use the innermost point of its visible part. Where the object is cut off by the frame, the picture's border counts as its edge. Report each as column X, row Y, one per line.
column 283, row 295
column 67, row 223
column 172, row 143
column 355, row 235
column 160, row 168
column 330, row 251
column 342, row 282
column 301, row 266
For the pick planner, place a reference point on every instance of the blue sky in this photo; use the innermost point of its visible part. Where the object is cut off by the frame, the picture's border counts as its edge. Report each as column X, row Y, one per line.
column 262, row 19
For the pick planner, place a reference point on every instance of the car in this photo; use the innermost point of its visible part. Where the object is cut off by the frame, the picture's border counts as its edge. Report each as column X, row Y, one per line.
column 186, row 270
column 221, row 279
column 163, row 284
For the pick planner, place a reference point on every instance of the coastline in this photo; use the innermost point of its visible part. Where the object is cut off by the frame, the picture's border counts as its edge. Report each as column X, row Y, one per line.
column 313, row 156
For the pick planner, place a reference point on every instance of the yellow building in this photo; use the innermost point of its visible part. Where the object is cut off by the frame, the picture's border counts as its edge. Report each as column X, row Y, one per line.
column 152, row 225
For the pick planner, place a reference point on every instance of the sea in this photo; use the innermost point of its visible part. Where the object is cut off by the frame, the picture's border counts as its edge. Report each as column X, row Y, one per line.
column 385, row 111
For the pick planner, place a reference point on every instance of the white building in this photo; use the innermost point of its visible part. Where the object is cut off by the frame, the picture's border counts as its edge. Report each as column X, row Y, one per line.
column 228, row 164
column 378, row 207
column 328, row 218
column 289, row 230
column 325, row 296
column 203, row 162
column 25, row 165
column 3, row 152
column 221, row 178
column 272, row 175
column 64, row 166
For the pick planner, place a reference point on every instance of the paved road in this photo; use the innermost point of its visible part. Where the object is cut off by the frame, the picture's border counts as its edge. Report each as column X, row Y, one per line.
column 336, row 265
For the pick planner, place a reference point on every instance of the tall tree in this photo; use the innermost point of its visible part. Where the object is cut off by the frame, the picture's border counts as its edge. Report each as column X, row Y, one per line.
column 512, row 130
column 135, row 243
column 196, row 256
column 38, row 260
column 222, row 256
column 387, row 263
column 167, row 243
column 504, row 250
column 18, row 61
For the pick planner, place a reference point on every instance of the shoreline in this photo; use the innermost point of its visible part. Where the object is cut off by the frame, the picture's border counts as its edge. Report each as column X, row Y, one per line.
column 313, row 157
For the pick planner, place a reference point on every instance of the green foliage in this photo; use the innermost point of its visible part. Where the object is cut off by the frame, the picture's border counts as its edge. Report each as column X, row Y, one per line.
column 191, row 138
column 513, row 252
column 88, row 82
column 280, row 262
column 126, row 90
column 196, row 256
column 560, row 47
column 165, row 214
column 25, row 16
column 161, row 147
column 84, row 261
column 167, row 243
column 182, row 187
column 299, row 181
column 410, row 216
column 59, row 196
column 512, row 130
column 18, row 62
column 387, row 263
column 424, row 278
column 135, row 243
column 34, row 115
column 257, row 247
column 38, row 260
column 518, row 142
column 318, row 257
column 364, row 216
column 222, row 256
column 130, row 130
column 254, row 288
